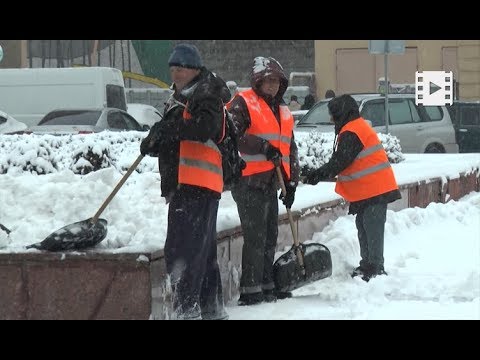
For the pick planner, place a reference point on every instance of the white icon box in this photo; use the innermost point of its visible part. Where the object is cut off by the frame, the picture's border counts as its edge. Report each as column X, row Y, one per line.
column 434, row 88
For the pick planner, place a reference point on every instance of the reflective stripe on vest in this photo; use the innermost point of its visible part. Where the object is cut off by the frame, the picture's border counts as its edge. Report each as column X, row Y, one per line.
column 200, row 163
column 370, row 174
column 265, row 125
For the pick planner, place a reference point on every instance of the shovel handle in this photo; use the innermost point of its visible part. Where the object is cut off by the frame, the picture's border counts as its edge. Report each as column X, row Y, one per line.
column 290, row 219
column 114, row 192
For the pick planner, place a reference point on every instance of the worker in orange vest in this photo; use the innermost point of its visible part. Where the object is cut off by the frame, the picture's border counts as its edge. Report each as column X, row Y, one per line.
column 265, row 125
column 190, row 165
column 364, row 178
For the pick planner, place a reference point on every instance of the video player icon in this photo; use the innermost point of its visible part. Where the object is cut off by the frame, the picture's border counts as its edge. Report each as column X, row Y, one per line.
column 433, row 88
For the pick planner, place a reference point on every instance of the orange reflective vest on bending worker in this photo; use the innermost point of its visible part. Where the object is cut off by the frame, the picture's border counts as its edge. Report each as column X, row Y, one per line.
column 200, row 163
column 370, row 174
column 265, row 125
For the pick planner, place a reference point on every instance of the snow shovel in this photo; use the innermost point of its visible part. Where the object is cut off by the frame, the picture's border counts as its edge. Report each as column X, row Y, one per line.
column 4, row 228
column 86, row 233
column 303, row 263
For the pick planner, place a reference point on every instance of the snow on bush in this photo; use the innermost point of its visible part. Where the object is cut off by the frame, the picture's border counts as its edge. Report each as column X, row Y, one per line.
column 315, row 149
column 82, row 154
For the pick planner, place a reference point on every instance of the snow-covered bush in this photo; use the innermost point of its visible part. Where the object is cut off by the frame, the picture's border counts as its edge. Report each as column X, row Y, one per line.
column 45, row 154
column 315, row 149
column 35, row 156
column 391, row 144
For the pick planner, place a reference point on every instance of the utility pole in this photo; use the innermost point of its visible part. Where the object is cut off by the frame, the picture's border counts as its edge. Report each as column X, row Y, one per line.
column 386, row 47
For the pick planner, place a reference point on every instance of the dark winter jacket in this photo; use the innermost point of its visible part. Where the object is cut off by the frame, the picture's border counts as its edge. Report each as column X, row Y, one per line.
column 206, row 96
column 309, row 102
column 343, row 110
column 251, row 144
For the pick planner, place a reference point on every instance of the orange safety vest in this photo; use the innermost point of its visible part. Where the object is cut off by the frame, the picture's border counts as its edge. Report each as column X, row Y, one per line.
column 370, row 174
column 200, row 163
column 265, row 125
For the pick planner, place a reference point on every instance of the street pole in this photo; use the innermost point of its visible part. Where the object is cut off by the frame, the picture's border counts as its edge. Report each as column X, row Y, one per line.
column 386, row 47
column 387, row 85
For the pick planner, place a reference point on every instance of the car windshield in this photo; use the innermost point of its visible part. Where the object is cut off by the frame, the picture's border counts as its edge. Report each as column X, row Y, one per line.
column 71, row 117
column 318, row 115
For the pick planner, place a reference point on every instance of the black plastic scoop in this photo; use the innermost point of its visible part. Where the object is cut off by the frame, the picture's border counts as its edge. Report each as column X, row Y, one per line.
column 4, row 228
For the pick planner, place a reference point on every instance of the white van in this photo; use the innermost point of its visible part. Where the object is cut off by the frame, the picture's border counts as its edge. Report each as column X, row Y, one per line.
column 29, row 94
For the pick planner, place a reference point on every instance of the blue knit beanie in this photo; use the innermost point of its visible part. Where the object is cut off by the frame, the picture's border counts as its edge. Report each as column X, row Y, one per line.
column 185, row 55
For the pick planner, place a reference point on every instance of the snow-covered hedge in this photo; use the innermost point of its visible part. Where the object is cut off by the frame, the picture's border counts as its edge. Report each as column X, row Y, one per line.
column 45, row 154
column 315, row 148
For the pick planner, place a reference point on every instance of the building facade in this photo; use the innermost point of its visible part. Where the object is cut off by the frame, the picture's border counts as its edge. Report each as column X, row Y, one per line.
column 346, row 66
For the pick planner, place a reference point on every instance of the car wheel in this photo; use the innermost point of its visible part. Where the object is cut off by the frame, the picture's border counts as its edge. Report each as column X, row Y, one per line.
column 434, row 149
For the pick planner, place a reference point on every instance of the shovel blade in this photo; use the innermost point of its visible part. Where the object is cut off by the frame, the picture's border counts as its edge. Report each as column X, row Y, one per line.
column 289, row 275
column 77, row 236
column 4, row 228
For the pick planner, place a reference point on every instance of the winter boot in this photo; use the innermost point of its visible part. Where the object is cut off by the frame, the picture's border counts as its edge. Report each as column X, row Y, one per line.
column 250, row 299
column 269, row 296
column 359, row 271
column 374, row 272
column 283, row 294
column 219, row 315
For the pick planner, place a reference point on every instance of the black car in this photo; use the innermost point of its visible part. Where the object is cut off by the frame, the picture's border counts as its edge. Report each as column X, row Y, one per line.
column 466, row 122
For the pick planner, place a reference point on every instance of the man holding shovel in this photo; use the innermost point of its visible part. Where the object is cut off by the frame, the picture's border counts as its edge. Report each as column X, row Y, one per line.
column 365, row 179
column 191, row 181
column 266, row 141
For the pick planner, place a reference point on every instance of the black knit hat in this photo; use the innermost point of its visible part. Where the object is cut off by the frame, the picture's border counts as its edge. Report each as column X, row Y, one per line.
column 343, row 106
column 187, row 56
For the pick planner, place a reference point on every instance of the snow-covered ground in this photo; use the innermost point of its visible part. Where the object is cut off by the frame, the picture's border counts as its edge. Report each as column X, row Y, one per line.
column 432, row 255
column 33, row 206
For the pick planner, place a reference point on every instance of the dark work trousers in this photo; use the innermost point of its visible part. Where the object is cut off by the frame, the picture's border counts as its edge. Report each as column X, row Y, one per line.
column 258, row 211
column 191, row 257
column 370, row 223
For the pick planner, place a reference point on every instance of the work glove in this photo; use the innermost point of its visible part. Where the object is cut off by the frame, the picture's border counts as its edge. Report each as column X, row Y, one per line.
column 273, row 154
column 161, row 132
column 147, row 146
column 151, row 144
column 289, row 197
column 315, row 176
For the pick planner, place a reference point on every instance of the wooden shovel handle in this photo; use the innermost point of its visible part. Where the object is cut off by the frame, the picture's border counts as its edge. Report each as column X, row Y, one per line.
column 290, row 219
column 114, row 192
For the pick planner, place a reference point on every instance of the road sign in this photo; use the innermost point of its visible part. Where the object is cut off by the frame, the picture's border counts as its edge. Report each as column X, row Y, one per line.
column 386, row 46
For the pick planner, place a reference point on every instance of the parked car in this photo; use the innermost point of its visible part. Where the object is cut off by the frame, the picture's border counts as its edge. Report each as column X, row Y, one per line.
column 466, row 121
column 84, row 121
column 9, row 125
column 420, row 129
column 298, row 114
column 144, row 114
